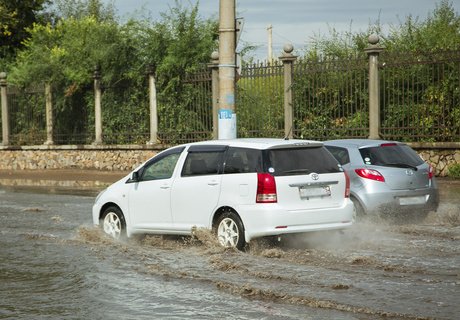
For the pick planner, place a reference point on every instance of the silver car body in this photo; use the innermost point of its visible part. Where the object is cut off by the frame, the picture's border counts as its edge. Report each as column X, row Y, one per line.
column 386, row 177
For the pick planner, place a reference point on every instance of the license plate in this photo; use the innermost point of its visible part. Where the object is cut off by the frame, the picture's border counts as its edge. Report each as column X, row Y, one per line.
column 405, row 201
column 314, row 192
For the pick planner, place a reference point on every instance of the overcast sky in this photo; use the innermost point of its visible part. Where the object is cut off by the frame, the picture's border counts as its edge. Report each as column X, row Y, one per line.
column 295, row 21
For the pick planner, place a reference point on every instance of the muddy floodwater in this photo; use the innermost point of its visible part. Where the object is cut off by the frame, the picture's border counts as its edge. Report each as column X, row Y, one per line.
column 55, row 265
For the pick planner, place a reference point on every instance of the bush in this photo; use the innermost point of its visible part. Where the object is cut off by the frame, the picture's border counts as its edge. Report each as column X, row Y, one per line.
column 454, row 170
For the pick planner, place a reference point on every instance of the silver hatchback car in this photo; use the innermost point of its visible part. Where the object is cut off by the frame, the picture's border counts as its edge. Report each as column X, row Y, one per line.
column 387, row 178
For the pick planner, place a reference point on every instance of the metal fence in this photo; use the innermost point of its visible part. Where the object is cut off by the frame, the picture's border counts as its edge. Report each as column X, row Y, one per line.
column 193, row 118
column 26, row 114
column 331, row 98
column 420, row 96
column 259, row 100
column 419, row 101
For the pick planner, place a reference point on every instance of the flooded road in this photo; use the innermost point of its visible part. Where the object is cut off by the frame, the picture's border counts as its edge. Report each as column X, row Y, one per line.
column 55, row 265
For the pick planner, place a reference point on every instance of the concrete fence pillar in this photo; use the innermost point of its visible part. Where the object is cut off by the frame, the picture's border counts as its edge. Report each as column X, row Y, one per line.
column 214, row 66
column 5, row 115
column 97, row 105
column 373, row 52
column 288, row 60
column 153, row 105
column 49, row 114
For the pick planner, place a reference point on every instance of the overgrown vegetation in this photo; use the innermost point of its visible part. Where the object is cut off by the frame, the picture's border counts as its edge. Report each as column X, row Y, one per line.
column 62, row 42
column 454, row 171
column 86, row 34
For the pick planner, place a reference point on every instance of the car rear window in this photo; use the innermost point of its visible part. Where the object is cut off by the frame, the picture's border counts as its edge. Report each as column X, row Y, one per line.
column 301, row 161
column 390, row 154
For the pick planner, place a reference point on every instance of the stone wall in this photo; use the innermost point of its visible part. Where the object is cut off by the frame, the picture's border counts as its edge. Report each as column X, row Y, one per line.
column 107, row 160
column 128, row 158
column 441, row 160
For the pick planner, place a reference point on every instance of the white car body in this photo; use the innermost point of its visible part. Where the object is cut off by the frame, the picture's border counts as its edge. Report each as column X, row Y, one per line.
column 181, row 203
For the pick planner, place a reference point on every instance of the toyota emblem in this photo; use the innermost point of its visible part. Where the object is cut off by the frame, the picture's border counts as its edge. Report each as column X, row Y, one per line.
column 315, row 176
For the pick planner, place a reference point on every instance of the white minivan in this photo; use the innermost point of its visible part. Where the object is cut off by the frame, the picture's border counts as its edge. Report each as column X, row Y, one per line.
column 242, row 189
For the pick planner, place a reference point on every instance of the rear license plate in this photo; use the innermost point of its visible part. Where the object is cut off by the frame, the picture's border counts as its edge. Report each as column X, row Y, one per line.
column 406, row 201
column 309, row 192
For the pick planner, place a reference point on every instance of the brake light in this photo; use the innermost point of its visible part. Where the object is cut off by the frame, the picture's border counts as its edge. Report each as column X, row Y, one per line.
column 266, row 188
column 388, row 144
column 370, row 174
column 430, row 172
column 347, row 185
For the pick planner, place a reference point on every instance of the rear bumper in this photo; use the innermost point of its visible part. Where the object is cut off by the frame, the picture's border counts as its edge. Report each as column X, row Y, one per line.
column 272, row 220
column 399, row 201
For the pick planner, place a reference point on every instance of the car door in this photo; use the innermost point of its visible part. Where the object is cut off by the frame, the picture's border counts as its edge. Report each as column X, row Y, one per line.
column 150, row 196
column 195, row 193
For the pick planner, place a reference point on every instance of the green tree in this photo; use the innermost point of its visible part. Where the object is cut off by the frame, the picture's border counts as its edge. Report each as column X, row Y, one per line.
column 66, row 53
column 440, row 31
column 16, row 16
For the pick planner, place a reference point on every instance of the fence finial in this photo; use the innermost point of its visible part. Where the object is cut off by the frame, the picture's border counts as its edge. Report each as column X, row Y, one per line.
column 288, row 48
column 97, row 72
column 3, row 79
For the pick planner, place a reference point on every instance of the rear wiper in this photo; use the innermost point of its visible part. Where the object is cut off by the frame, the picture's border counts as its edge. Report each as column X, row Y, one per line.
column 400, row 165
column 297, row 171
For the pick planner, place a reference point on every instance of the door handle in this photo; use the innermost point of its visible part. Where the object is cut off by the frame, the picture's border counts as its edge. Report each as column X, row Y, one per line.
column 164, row 187
column 213, row 183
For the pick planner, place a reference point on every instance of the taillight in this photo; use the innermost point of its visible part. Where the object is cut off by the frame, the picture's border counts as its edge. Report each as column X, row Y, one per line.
column 370, row 174
column 430, row 172
column 347, row 185
column 266, row 188
column 388, row 144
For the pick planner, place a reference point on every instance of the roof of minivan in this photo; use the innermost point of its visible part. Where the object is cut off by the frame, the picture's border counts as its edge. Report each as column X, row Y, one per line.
column 259, row 143
column 357, row 143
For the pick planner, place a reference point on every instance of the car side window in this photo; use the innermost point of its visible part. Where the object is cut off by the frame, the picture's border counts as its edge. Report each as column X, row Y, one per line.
column 341, row 154
column 202, row 163
column 242, row 160
column 161, row 169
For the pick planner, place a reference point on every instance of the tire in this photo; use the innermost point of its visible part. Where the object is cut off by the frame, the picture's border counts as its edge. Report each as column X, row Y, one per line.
column 230, row 231
column 113, row 222
column 358, row 211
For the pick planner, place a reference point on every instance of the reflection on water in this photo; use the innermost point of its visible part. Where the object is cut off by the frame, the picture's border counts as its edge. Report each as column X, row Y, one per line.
column 55, row 265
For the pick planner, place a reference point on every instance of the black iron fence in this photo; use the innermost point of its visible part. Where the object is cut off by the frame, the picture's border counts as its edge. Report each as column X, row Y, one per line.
column 420, row 96
column 419, row 101
column 331, row 98
column 26, row 114
column 259, row 100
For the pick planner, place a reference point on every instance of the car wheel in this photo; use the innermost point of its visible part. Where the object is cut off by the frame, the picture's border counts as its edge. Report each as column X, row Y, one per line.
column 358, row 211
column 113, row 222
column 230, row 231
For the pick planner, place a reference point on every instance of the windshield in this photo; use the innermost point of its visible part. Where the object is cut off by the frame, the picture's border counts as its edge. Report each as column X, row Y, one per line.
column 391, row 155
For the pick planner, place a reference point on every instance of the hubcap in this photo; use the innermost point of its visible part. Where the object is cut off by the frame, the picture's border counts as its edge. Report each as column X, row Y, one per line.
column 112, row 225
column 227, row 233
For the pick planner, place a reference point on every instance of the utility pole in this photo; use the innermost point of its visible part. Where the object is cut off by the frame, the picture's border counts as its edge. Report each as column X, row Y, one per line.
column 270, row 43
column 227, row 67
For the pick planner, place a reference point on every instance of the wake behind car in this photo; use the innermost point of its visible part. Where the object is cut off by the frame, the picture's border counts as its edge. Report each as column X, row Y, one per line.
column 242, row 189
column 387, row 178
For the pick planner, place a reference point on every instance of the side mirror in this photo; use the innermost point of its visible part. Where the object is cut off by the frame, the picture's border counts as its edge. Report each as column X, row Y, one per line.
column 134, row 176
